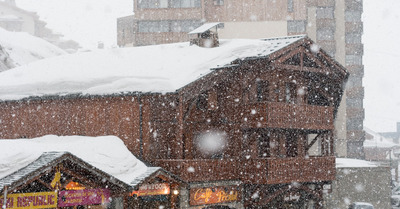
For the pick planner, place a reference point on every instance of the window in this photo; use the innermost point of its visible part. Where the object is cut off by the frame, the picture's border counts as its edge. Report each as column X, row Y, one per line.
column 202, row 102
column 218, row 2
column 169, row 3
column 185, row 3
column 315, row 98
column 264, row 146
column 325, row 13
column 290, row 92
column 325, row 34
column 290, row 6
column 262, row 91
column 152, row 3
column 168, row 26
column 296, row 26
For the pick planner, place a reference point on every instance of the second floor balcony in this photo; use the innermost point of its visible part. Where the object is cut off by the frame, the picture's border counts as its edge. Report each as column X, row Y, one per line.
column 258, row 170
column 290, row 116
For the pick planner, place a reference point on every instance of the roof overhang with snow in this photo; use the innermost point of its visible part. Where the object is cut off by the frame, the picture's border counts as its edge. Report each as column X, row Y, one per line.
column 69, row 165
column 206, row 27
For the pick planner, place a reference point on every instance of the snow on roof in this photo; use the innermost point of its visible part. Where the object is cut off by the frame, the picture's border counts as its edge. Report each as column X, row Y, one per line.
column 10, row 17
column 354, row 163
column 24, row 48
column 378, row 140
column 107, row 153
column 39, row 163
column 160, row 68
column 204, row 27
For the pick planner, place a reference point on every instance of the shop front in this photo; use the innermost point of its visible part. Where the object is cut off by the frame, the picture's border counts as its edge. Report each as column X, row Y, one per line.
column 160, row 190
column 217, row 196
column 61, row 180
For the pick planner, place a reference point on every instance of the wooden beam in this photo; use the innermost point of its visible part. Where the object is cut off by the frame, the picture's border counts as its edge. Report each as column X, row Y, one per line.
column 312, row 142
column 316, row 60
column 85, row 180
column 298, row 68
column 45, row 184
column 287, row 56
column 278, row 192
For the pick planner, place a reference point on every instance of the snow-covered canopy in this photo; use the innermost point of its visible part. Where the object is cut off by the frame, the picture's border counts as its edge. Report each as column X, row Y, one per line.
column 107, row 153
column 23, row 48
column 160, row 68
column 377, row 140
column 354, row 163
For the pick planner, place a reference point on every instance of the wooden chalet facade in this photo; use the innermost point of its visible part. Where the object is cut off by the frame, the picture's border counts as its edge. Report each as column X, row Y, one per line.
column 276, row 112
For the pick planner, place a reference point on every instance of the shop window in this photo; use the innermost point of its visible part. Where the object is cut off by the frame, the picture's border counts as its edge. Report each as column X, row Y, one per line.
column 262, row 91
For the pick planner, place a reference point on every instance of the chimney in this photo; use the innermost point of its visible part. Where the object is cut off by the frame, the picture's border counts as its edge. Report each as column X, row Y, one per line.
column 206, row 35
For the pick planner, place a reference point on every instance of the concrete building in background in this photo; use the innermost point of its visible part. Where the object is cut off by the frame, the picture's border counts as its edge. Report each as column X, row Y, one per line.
column 393, row 135
column 335, row 25
column 359, row 181
column 16, row 19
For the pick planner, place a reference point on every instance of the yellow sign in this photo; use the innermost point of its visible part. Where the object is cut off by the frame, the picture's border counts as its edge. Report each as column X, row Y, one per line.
column 31, row 200
column 203, row 196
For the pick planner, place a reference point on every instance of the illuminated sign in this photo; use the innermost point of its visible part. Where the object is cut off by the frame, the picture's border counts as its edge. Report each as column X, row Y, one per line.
column 292, row 196
column 204, row 196
column 152, row 189
column 83, row 197
column 74, row 186
column 31, row 200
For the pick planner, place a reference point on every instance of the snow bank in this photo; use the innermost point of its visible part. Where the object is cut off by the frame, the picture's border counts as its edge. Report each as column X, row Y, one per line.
column 353, row 163
column 107, row 153
column 23, row 48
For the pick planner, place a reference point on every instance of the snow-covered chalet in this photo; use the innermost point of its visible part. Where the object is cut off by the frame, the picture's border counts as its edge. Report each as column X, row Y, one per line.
column 247, row 124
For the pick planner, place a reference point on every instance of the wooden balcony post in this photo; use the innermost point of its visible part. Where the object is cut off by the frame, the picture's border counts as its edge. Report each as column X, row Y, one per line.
column 332, row 144
column 282, row 144
column 274, row 144
column 323, row 145
column 301, row 145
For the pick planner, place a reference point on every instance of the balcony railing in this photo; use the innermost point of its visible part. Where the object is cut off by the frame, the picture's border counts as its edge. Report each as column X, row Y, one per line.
column 202, row 169
column 284, row 115
column 287, row 170
column 262, row 171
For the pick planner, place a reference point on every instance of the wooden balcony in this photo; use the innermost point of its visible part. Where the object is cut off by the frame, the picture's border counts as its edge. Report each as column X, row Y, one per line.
column 202, row 169
column 287, row 170
column 261, row 171
column 284, row 115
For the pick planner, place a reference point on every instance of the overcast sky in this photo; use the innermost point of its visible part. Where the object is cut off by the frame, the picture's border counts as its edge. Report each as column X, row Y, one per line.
column 91, row 21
